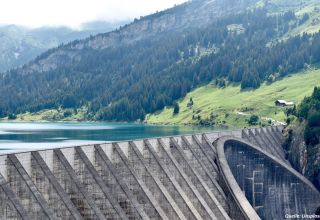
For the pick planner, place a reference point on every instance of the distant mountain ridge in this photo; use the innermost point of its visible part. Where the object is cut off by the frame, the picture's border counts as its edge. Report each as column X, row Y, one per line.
column 196, row 13
column 19, row 45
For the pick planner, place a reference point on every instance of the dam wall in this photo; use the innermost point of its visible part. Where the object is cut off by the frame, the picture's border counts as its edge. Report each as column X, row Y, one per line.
column 177, row 177
column 273, row 189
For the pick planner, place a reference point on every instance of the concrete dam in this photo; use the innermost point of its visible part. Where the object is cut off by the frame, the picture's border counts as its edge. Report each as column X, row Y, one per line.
column 219, row 175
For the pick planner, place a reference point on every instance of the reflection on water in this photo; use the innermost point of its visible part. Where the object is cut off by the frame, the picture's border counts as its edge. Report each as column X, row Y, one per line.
column 26, row 136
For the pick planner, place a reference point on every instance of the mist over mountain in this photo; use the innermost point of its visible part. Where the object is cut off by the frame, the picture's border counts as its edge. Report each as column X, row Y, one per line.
column 146, row 65
column 19, row 45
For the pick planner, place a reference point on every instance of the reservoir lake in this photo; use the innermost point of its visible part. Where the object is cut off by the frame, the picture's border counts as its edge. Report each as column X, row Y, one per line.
column 20, row 137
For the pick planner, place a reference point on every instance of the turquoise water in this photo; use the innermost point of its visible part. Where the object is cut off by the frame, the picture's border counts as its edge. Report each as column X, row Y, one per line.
column 30, row 136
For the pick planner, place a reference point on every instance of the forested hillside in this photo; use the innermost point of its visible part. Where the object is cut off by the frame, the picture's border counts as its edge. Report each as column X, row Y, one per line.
column 124, row 75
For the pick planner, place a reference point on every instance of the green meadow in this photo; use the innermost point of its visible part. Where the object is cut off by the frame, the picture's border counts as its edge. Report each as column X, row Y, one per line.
column 232, row 107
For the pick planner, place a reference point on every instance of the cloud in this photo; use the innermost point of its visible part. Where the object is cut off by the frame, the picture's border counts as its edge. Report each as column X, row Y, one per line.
column 37, row 13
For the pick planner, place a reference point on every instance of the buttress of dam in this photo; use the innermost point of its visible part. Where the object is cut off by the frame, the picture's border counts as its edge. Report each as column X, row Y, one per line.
column 219, row 175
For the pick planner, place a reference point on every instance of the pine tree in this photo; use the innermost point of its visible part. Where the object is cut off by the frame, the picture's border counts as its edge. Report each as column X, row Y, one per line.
column 176, row 108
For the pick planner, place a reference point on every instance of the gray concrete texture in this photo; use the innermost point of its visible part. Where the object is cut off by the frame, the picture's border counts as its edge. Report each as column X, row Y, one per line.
column 219, row 175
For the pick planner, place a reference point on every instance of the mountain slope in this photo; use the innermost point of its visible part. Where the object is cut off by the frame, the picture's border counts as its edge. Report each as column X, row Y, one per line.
column 19, row 45
column 230, row 106
column 152, row 62
column 309, row 10
column 196, row 13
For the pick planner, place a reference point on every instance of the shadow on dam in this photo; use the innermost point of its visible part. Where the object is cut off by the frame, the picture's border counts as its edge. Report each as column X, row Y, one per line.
column 273, row 189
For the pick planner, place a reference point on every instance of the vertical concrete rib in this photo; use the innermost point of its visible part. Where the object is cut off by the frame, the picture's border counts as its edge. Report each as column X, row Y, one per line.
column 46, row 211
column 208, row 165
column 169, row 180
column 264, row 143
column 152, row 207
column 255, row 139
column 137, row 212
column 206, row 162
column 278, row 149
column 252, row 138
column 86, row 205
column 269, row 145
column 278, row 133
column 207, row 152
column 245, row 135
column 157, row 188
column 210, row 149
column 11, row 197
column 186, row 182
column 103, row 188
column 62, row 195
column 7, row 209
column 203, row 179
column 272, row 135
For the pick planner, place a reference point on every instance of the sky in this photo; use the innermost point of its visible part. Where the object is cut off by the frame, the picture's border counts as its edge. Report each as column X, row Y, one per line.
column 36, row 13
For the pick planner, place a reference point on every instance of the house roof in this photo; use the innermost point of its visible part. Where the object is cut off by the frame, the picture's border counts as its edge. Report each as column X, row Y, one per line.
column 284, row 102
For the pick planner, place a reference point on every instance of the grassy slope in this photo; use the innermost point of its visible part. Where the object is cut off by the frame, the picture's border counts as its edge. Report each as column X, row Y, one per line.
column 51, row 115
column 313, row 24
column 228, row 102
column 301, row 7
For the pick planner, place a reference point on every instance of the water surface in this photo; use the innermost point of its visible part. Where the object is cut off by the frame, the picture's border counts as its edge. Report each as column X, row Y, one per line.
column 31, row 136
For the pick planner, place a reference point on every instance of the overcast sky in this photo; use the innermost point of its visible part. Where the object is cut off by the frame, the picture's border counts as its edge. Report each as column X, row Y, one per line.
column 37, row 13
